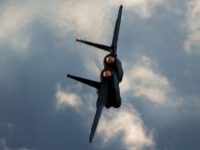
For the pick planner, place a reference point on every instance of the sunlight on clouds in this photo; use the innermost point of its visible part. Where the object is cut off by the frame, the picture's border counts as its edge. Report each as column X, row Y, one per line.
column 89, row 19
column 193, row 25
column 143, row 8
column 67, row 99
column 126, row 123
column 93, row 21
column 141, row 80
column 13, row 21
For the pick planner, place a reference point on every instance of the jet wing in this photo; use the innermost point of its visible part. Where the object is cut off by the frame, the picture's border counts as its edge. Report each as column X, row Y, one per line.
column 102, row 98
column 96, row 121
column 116, row 31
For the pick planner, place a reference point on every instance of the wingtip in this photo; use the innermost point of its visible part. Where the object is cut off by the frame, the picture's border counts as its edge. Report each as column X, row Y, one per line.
column 68, row 75
column 77, row 40
column 90, row 140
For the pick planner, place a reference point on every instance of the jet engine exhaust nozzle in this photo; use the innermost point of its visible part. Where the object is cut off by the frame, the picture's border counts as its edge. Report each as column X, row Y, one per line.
column 110, row 59
column 106, row 73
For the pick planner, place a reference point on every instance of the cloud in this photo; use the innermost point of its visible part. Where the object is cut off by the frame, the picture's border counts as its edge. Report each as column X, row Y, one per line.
column 126, row 123
column 14, row 20
column 192, row 25
column 143, row 80
column 67, row 99
column 96, row 25
column 93, row 20
column 85, row 19
column 3, row 144
column 3, row 141
column 143, row 8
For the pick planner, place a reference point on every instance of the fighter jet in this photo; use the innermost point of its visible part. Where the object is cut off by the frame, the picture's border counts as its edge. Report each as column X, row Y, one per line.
column 108, row 88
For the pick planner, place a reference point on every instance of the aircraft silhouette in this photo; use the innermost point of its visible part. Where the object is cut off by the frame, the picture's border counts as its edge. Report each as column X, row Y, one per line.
column 108, row 88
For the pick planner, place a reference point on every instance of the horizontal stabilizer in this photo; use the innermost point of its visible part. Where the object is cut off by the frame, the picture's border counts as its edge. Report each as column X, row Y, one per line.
column 94, row 84
column 103, row 47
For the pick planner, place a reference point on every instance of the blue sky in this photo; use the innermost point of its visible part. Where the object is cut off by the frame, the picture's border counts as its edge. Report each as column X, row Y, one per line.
column 40, row 109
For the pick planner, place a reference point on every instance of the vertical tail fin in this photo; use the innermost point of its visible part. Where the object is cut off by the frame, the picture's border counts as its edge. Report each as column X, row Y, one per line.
column 116, row 31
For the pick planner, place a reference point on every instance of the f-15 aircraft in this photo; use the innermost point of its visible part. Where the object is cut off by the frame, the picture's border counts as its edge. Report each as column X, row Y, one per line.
column 108, row 88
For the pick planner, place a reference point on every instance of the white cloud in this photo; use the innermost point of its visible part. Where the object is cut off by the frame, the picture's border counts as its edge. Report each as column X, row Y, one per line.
column 126, row 123
column 143, row 80
column 67, row 99
column 93, row 19
column 192, row 25
column 89, row 19
column 143, row 8
column 13, row 20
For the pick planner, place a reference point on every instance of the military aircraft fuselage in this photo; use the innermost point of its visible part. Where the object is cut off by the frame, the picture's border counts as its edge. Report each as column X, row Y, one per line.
column 111, row 76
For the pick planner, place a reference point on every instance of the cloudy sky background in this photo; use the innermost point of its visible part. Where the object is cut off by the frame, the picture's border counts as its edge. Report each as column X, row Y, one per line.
column 40, row 109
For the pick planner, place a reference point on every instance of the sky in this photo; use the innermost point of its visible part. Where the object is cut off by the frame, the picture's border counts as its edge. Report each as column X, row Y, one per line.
column 40, row 109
